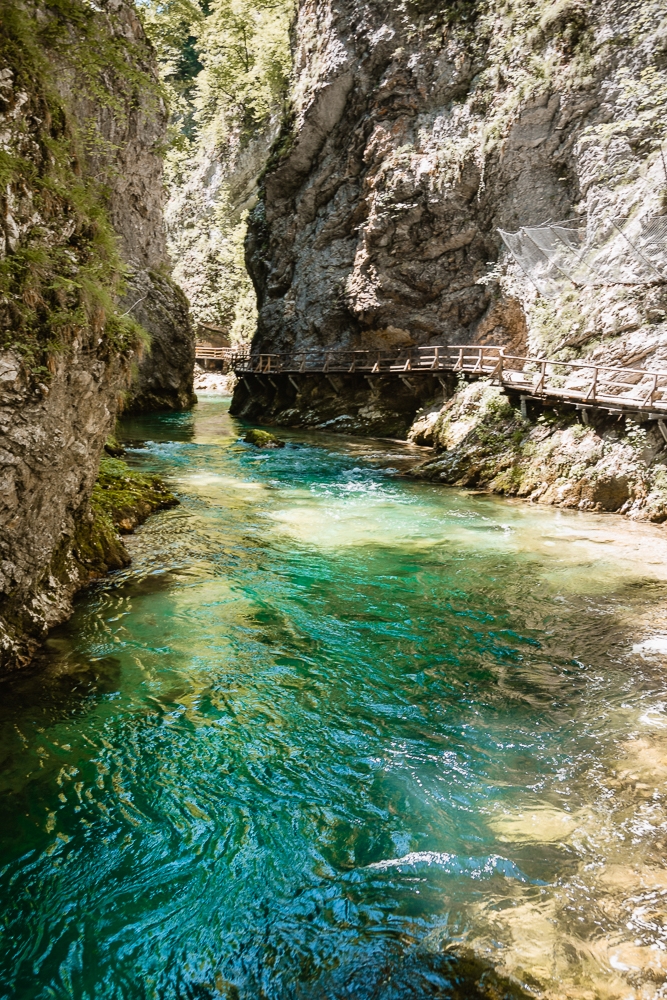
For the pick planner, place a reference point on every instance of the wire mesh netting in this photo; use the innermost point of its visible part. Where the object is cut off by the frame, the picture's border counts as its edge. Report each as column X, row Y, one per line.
column 617, row 251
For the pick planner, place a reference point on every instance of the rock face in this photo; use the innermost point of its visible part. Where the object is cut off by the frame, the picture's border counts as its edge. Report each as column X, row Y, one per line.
column 482, row 441
column 418, row 131
column 205, row 217
column 127, row 159
column 164, row 380
column 51, row 442
column 342, row 403
column 81, row 120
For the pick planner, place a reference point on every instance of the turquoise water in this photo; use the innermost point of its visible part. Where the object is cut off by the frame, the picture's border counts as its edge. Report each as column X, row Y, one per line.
column 338, row 734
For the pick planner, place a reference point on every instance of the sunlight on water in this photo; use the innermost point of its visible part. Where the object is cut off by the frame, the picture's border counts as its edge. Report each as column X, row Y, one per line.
column 337, row 734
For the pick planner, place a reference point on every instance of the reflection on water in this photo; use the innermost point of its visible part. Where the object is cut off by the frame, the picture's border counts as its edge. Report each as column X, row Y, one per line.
column 337, row 734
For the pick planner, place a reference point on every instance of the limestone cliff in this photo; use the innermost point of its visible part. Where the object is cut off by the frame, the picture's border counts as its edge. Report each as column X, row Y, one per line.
column 81, row 121
column 205, row 215
column 164, row 376
column 420, row 129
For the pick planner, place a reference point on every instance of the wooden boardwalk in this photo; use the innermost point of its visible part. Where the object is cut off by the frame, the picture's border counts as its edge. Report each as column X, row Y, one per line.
column 582, row 383
column 224, row 354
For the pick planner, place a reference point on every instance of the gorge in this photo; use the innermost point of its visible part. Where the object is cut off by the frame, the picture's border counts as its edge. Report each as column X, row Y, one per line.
column 416, row 133
column 304, row 709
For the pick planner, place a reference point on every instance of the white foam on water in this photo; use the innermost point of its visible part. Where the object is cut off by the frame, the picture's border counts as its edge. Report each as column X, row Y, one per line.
column 658, row 644
column 414, row 858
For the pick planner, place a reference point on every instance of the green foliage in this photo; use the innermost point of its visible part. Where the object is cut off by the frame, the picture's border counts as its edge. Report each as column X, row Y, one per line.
column 244, row 48
column 557, row 323
column 63, row 271
column 635, row 435
column 209, row 262
column 173, row 26
column 225, row 64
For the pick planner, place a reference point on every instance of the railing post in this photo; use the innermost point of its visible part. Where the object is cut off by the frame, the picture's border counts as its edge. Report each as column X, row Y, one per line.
column 479, row 364
column 498, row 370
column 650, row 399
column 540, row 382
column 590, row 395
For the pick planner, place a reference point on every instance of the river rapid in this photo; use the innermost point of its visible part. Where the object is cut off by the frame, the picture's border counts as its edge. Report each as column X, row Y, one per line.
column 338, row 734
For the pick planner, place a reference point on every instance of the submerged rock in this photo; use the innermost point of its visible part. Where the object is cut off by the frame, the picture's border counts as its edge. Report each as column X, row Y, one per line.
column 263, row 439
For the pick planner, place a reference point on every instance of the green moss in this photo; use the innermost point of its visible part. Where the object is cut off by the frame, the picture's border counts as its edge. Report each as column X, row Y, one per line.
column 263, row 439
column 64, row 273
column 123, row 497
column 283, row 143
column 557, row 322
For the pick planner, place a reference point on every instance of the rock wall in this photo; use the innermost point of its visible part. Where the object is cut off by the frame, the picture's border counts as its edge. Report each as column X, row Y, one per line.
column 164, row 376
column 126, row 156
column 420, row 129
column 81, row 122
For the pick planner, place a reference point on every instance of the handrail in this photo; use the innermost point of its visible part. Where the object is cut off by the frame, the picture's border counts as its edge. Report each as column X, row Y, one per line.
column 202, row 351
column 586, row 382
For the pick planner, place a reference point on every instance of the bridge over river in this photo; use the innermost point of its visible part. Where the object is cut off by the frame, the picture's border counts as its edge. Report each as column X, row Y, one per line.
column 584, row 384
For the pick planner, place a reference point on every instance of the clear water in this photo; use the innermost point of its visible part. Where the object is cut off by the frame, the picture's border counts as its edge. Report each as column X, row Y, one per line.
column 337, row 734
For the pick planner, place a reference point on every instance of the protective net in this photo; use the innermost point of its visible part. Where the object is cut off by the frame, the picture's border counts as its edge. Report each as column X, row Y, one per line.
column 617, row 251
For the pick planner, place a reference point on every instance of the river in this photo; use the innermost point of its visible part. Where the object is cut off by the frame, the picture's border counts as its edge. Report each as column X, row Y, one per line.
column 340, row 734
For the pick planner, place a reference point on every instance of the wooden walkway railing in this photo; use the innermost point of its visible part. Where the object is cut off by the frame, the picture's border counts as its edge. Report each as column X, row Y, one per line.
column 215, row 353
column 581, row 382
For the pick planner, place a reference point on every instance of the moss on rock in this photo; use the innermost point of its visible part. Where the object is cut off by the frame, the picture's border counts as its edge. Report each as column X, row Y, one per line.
column 63, row 272
column 263, row 439
column 481, row 440
column 123, row 497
